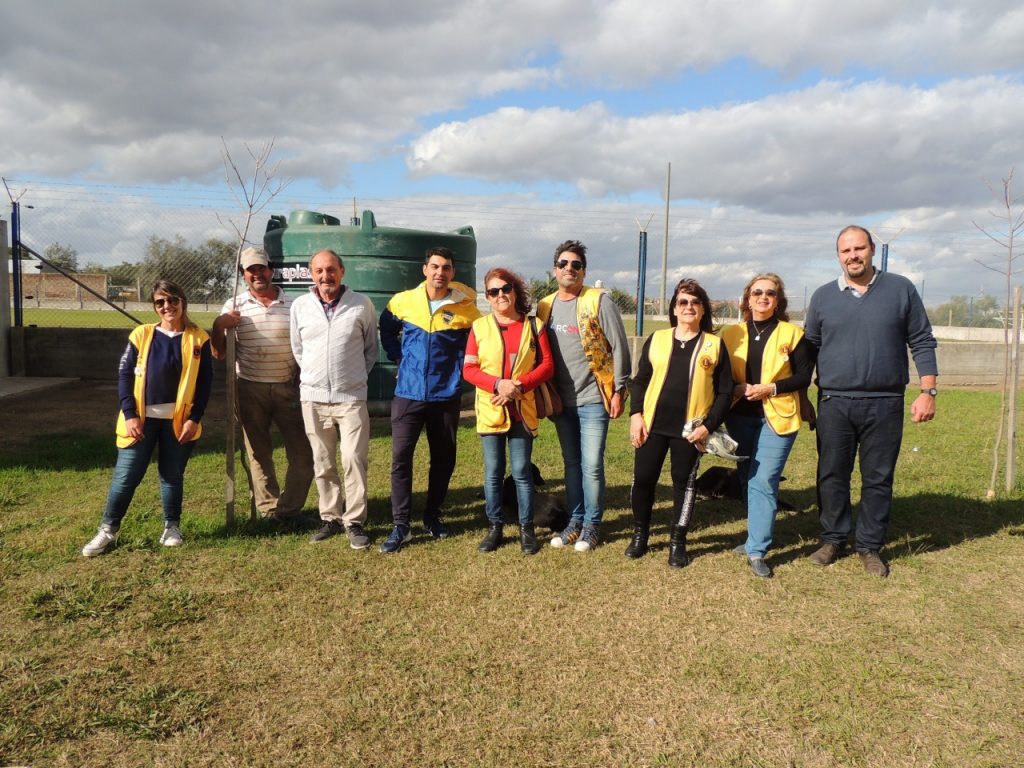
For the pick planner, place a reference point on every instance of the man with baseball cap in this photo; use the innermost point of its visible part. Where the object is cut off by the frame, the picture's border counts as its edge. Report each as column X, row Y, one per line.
column 267, row 387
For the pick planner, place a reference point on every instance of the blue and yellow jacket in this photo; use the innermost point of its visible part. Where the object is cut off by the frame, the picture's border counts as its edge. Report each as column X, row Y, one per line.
column 428, row 349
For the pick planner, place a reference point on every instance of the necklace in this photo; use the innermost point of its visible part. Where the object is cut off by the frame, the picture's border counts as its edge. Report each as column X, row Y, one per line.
column 759, row 330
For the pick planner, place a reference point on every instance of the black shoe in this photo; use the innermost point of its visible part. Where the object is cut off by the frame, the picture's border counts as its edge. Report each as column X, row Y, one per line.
column 435, row 526
column 677, row 548
column 528, row 540
column 328, row 529
column 638, row 546
column 493, row 538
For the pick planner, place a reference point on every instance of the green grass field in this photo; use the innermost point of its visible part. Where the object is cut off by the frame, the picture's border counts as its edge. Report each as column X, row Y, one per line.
column 250, row 646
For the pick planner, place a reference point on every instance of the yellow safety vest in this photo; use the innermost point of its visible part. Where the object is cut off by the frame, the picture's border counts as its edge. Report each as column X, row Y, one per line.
column 782, row 411
column 192, row 341
column 595, row 343
column 701, row 391
column 495, row 419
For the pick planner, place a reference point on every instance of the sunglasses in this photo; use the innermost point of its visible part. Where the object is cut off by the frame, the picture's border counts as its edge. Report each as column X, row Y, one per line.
column 172, row 301
column 689, row 302
column 493, row 292
column 771, row 293
column 576, row 265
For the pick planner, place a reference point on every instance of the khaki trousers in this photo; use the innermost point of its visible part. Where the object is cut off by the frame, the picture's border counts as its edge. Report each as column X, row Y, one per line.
column 330, row 426
column 259, row 406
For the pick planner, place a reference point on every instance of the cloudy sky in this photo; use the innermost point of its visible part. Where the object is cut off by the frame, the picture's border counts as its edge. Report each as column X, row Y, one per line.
column 534, row 122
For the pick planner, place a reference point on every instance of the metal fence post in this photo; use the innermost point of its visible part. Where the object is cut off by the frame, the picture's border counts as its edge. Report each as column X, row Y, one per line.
column 5, row 305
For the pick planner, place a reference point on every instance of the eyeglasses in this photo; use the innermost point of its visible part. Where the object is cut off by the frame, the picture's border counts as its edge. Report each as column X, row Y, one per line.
column 576, row 265
column 771, row 293
column 689, row 302
column 493, row 292
column 169, row 300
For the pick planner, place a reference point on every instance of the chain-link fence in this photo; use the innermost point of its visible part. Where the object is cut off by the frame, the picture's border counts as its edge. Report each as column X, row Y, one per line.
column 91, row 251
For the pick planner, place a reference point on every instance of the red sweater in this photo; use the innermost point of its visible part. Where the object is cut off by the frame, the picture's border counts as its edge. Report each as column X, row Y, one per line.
column 511, row 334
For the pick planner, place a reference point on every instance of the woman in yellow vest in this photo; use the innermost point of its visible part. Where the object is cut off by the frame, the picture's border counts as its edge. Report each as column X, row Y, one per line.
column 772, row 366
column 507, row 357
column 163, row 384
column 680, row 396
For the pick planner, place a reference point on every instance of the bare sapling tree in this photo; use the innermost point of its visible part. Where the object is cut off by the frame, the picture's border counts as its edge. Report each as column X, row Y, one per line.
column 1010, row 216
column 253, row 191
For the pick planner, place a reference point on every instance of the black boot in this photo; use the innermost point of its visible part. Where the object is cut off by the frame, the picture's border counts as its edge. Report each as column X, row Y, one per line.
column 528, row 539
column 677, row 548
column 638, row 546
column 493, row 538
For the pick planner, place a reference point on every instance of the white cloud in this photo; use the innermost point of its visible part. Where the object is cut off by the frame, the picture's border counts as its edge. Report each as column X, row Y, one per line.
column 834, row 147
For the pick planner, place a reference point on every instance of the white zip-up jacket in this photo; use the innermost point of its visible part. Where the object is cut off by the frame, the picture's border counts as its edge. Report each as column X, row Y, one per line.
column 334, row 356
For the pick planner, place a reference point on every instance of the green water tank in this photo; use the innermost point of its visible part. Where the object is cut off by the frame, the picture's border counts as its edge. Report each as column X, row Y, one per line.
column 379, row 262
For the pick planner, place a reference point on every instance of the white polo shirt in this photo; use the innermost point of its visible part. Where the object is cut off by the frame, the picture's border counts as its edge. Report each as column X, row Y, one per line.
column 263, row 351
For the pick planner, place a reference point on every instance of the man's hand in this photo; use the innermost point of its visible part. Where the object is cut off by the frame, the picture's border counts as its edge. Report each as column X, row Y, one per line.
column 228, row 320
column 223, row 324
column 923, row 408
column 616, row 406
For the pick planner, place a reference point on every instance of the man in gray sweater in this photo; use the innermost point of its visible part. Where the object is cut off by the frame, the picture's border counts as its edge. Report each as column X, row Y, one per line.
column 334, row 340
column 862, row 325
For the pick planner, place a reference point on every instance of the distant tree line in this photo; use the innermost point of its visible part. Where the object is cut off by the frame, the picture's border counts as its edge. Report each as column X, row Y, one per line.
column 975, row 312
column 205, row 271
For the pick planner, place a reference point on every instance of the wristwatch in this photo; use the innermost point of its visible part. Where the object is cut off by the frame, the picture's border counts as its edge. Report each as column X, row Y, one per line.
column 932, row 391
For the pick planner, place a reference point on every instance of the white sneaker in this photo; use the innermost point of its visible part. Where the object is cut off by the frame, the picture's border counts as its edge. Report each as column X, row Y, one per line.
column 171, row 537
column 101, row 542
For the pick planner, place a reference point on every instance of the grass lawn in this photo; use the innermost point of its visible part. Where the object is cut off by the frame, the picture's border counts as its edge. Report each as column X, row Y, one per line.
column 251, row 646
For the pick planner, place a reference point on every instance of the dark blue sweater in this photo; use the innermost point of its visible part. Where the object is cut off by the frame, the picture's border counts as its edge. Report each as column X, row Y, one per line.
column 862, row 343
column 163, row 374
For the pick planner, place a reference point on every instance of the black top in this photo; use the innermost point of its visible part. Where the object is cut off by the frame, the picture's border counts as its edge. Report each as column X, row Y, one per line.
column 801, row 359
column 670, row 413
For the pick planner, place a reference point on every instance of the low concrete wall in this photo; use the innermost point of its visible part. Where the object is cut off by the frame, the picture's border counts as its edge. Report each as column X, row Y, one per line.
column 81, row 353
column 960, row 364
column 94, row 353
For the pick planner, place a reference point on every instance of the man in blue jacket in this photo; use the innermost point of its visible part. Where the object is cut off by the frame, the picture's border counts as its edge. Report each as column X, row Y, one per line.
column 862, row 325
column 424, row 331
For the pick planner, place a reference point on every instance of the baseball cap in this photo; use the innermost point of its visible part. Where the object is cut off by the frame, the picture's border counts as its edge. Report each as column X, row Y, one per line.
column 254, row 255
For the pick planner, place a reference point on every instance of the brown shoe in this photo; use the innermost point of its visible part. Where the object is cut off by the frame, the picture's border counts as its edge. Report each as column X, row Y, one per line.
column 826, row 554
column 874, row 564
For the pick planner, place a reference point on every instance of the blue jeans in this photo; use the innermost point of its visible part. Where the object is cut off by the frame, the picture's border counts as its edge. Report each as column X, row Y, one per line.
column 520, row 450
column 581, row 431
column 759, row 476
column 131, row 466
column 873, row 429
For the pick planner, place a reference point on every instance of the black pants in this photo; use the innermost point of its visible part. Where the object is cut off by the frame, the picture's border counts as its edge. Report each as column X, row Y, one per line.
column 647, row 469
column 872, row 427
column 408, row 417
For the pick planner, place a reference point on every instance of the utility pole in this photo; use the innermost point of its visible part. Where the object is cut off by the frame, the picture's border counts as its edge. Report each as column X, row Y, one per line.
column 885, row 250
column 664, row 247
column 15, row 254
column 641, row 275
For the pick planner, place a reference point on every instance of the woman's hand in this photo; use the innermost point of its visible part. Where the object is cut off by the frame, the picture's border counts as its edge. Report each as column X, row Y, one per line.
column 508, row 389
column 758, row 391
column 697, row 438
column 637, row 430
column 188, row 431
column 738, row 391
column 134, row 428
